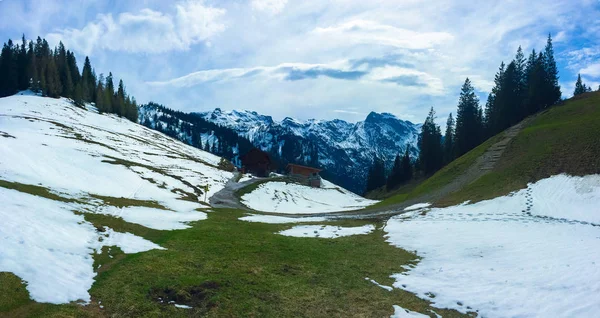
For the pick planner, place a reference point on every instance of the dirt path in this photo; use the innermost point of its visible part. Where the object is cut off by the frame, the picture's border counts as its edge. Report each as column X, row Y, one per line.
column 482, row 165
column 226, row 198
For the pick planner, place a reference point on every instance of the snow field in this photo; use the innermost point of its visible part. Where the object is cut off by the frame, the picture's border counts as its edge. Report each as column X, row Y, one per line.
column 528, row 254
column 82, row 155
column 327, row 231
column 292, row 198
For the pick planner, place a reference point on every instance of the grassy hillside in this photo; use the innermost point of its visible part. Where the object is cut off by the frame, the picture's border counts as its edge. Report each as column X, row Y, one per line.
column 562, row 139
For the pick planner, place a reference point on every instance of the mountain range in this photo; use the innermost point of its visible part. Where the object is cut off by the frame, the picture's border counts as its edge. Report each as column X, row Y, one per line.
column 345, row 150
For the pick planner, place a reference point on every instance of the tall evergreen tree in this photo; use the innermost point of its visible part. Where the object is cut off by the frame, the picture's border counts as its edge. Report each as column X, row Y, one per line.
column 468, row 125
column 395, row 176
column 376, row 176
column 430, row 145
column 579, row 86
column 22, row 65
column 64, row 71
column 88, row 83
column 53, row 84
column 449, row 140
column 9, row 82
column 407, row 168
column 553, row 93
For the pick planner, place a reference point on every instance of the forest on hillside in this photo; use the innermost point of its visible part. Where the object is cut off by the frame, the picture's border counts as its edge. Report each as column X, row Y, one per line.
column 523, row 87
column 54, row 73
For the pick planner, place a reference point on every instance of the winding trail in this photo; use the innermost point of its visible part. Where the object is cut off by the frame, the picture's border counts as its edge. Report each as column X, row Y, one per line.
column 227, row 198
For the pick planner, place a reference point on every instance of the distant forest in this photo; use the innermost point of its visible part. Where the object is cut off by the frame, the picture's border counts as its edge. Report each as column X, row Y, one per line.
column 523, row 87
column 54, row 73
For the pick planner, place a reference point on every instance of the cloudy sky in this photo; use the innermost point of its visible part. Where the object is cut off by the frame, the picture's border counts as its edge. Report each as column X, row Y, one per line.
column 311, row 59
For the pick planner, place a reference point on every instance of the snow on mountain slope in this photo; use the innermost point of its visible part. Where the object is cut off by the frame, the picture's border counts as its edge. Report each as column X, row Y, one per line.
column 532, row 253
column 57, row 159
column 282, row 197
column 345, row 150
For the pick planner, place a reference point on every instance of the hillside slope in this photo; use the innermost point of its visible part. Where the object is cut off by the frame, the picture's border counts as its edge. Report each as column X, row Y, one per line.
column 64, row 170
column 562, row 139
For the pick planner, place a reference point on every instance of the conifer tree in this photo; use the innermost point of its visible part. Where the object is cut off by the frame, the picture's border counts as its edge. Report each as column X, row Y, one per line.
column 8, row 70
column 430, row 145
column 53, row 85
column 88, row 86
column 395, row 176
column 579, row 86
column 64, row 71
column 407, row 168
column 552, row 92
column 376, row 176
column 22, row 65
column 449, row 140
column 468, row 126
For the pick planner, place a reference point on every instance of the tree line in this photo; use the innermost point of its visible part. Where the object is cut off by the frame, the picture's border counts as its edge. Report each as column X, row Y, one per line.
column 523, row 87
column 54, row 73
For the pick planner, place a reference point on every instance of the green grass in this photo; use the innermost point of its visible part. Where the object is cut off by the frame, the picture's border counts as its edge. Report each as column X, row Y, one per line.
column 442, row 177
column 562, row 139
column 35, row 190
column 229, row 268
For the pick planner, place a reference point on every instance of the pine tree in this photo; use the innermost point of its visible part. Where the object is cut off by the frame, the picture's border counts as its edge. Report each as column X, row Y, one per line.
column 552, row 93
column 579, row 86
column 395, row 176
column 376, row 176
column 468, row 131
column 407, row 168
column 87, row 79
column 31, row 71
column 53, row 85
column 78, row 95
column 22, row 65
column 449, row 140
column 64, row 71
column 9, row 82
column 431, row 154
column 109, row 93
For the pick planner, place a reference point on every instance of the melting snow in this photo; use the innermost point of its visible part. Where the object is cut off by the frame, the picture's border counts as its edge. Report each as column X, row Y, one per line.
column 417, row 206
column 327, row 231
column 48, row 246
column 528, row 254
column 274, row 219
column 400, row 312
column 292, row 198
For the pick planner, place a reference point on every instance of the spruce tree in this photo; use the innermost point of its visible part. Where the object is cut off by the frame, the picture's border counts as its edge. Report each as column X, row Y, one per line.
column 468, row 126
column 376, row 176
column 395, row 176
column 87, row 78
column 53, row 85
column 579, row 86
column 22, row 65
column 407, row 169
column 64, row 71
column 552, row 93
column 430, row 145
column 449, row 140
column 9, row 82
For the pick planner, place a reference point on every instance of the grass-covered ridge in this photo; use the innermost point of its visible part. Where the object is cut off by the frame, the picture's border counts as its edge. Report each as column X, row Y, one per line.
column 563, row 139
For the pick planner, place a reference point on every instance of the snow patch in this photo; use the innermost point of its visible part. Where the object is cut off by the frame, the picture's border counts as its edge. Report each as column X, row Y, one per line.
column 400, row 312
column 528, row 254
column 327, row 231
column 274, row 219
column 292, row 198
column 417, row 206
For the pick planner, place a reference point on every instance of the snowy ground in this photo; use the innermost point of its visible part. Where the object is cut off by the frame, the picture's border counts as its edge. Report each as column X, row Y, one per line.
column 106, row 164
column 529, row 254
column 284, row 197
column 327, row 231
column 274, row 219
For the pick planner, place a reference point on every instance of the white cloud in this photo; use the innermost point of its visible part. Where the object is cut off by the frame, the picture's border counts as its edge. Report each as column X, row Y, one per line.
column 269, row 6
column 360, row 31
column 591, row 70
column 146, row 31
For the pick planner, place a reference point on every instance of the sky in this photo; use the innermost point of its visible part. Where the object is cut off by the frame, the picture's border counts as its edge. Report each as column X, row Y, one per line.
column 312, row 59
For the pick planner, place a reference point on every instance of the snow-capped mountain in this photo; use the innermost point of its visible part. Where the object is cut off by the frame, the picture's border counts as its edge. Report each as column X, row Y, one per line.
column 344, row 150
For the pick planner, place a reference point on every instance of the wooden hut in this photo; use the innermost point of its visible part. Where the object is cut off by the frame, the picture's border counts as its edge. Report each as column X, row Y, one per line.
column 257, row 163
column 304, row 175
